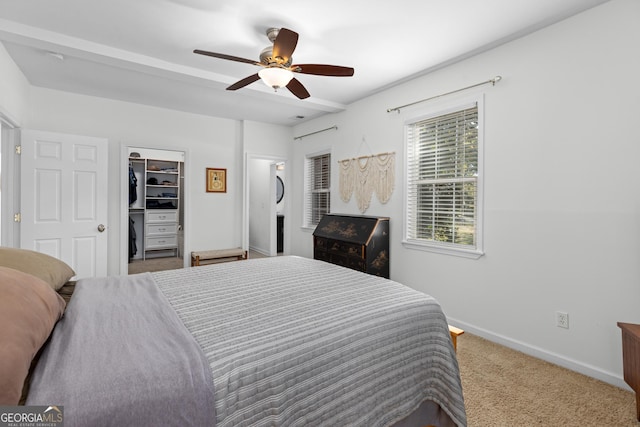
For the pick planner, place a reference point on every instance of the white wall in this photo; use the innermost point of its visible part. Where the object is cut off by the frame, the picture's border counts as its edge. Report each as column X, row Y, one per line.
column 215, row 220
column 562, row 229
column 271, row 144
column 267, row 139
column 14, row 89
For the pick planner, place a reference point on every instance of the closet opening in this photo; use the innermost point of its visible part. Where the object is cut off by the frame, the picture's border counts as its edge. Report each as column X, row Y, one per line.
column 156, row 209
column 266, row 201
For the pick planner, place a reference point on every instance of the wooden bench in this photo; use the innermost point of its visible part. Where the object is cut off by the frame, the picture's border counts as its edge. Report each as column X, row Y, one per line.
column 455, row 332
column 217, row 255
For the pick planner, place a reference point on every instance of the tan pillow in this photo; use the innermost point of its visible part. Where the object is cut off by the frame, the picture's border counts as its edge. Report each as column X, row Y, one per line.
column 29, row 309
column 53, row 271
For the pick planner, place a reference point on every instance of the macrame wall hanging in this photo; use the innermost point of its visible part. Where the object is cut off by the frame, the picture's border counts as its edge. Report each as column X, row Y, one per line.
column 365, row 175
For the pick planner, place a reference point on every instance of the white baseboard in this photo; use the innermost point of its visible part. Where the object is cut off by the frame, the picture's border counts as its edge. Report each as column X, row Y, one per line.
column 543, row 354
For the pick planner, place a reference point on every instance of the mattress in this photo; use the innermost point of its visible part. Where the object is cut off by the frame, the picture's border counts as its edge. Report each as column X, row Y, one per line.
column 287, row 341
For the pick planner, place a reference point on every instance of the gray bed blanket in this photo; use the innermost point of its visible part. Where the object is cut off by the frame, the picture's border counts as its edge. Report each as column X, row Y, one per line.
column 121, row 357
column 297, row 342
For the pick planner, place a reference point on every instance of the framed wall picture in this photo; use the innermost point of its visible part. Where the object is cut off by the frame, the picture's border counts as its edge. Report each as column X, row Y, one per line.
column 216, row 180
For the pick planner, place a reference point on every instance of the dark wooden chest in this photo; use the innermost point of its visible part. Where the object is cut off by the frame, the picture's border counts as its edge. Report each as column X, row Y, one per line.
column 357, row 242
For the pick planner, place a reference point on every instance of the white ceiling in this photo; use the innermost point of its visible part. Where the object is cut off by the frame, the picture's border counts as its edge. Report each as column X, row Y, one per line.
column 142, row 50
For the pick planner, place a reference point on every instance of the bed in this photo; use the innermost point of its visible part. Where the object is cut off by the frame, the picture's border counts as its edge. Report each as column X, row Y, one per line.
column 282, row 341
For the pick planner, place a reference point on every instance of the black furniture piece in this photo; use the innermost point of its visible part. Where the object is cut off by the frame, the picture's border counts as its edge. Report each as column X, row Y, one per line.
column 280, row 233
column 357, row 242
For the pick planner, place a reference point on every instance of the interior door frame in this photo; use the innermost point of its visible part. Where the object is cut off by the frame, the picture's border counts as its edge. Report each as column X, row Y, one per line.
column 246, row 200
column 124, row 203
column 10, row 182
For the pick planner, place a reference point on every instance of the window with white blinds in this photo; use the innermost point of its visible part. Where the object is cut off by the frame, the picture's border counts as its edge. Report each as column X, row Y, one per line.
column 443, row 175
column 318, row 188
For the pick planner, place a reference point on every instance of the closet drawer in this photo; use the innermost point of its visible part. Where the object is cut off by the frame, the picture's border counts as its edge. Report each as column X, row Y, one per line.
column 169, row 228
column 162, row 216
column 161, row 242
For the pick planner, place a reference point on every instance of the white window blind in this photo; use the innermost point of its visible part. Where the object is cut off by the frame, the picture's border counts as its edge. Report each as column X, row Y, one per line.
column 318, row 188
column 442, row 179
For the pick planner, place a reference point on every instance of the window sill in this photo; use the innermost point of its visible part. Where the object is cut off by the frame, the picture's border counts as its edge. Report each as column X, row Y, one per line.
column 454, row 251
column 308, row 229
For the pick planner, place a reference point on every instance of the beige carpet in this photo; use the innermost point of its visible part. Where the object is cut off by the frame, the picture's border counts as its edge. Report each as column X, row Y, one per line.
column 155, row 264
column 506, row 388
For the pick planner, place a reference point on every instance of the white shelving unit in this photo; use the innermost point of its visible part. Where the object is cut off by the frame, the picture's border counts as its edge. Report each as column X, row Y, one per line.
column 156, row 211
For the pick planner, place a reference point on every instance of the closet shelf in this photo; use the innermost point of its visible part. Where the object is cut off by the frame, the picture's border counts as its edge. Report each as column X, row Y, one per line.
column 159, row 192
column 163, row 172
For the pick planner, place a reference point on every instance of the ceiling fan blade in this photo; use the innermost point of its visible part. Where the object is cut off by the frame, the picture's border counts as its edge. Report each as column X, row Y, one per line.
column 244, row 82
column 284, row 44
column 323, row 70
column 223, row 56
column 297, row 89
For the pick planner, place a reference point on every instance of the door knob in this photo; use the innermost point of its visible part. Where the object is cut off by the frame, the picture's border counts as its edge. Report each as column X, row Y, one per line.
column 101, row 228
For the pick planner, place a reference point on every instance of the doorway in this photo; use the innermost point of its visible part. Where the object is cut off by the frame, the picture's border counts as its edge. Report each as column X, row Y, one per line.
column 9, row 180
column 154, row 210
column 266, row 206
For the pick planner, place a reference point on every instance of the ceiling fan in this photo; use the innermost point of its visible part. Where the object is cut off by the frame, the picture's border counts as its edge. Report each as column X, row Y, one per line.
column 277, row 70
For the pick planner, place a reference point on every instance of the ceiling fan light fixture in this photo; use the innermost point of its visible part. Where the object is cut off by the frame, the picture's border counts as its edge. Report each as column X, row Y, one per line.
column 275, row 77
column 277, row 71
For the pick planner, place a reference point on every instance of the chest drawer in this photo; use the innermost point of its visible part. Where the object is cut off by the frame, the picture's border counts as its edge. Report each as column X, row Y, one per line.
column 162, row 216
column 160, row 242
column 169, row 228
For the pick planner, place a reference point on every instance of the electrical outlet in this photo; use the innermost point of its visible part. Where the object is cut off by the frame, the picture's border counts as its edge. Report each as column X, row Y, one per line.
column 562, row 319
